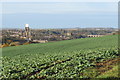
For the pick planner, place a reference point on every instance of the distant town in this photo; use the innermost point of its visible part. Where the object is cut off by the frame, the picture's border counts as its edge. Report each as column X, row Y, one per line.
column 15, row 37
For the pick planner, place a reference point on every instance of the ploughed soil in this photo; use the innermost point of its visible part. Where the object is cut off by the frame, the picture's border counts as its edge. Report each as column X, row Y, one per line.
column 107, row 65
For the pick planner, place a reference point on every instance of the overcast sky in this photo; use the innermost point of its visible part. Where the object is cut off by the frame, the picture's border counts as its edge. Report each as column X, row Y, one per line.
column 59, row 14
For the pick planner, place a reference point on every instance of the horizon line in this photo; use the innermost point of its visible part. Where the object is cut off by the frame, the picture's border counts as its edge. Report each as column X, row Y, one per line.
column 64, row 28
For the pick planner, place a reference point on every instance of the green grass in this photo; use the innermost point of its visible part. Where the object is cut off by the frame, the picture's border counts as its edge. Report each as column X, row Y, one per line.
column 75, row 56
column 62, row 46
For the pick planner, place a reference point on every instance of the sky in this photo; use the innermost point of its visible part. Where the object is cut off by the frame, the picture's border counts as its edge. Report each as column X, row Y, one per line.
column 59, row 0
column 59, row 14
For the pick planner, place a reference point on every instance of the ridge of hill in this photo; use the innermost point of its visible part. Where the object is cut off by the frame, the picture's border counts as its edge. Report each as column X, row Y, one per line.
column 63, row 46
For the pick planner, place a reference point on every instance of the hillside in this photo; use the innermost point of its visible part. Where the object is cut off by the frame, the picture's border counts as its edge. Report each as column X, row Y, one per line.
column 63, row 59
column 63, row 46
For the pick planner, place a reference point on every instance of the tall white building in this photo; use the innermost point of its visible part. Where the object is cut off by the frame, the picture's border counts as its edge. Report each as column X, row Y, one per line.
column 27, row 32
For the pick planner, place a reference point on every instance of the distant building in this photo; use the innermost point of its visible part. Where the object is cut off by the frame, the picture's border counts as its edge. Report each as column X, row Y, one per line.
column 69, row 34
column 14, row 35
column 27, row 32
column 39, row 41
column 95, row 35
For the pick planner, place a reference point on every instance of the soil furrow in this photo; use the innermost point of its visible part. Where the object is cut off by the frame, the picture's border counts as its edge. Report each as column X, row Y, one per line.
column 46, row 67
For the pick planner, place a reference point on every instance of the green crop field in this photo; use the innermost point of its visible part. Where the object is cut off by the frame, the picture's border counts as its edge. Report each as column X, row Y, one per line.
column 63, row 59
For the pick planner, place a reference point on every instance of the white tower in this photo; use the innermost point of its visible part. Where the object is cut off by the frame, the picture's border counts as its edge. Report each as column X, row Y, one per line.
column 26, row 25
column 27, row 32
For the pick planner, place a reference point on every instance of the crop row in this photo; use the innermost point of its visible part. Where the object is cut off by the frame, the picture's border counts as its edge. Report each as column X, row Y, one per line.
column 59, row 65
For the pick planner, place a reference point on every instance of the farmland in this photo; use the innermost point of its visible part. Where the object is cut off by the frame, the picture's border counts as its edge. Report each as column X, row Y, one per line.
column 63, row 59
